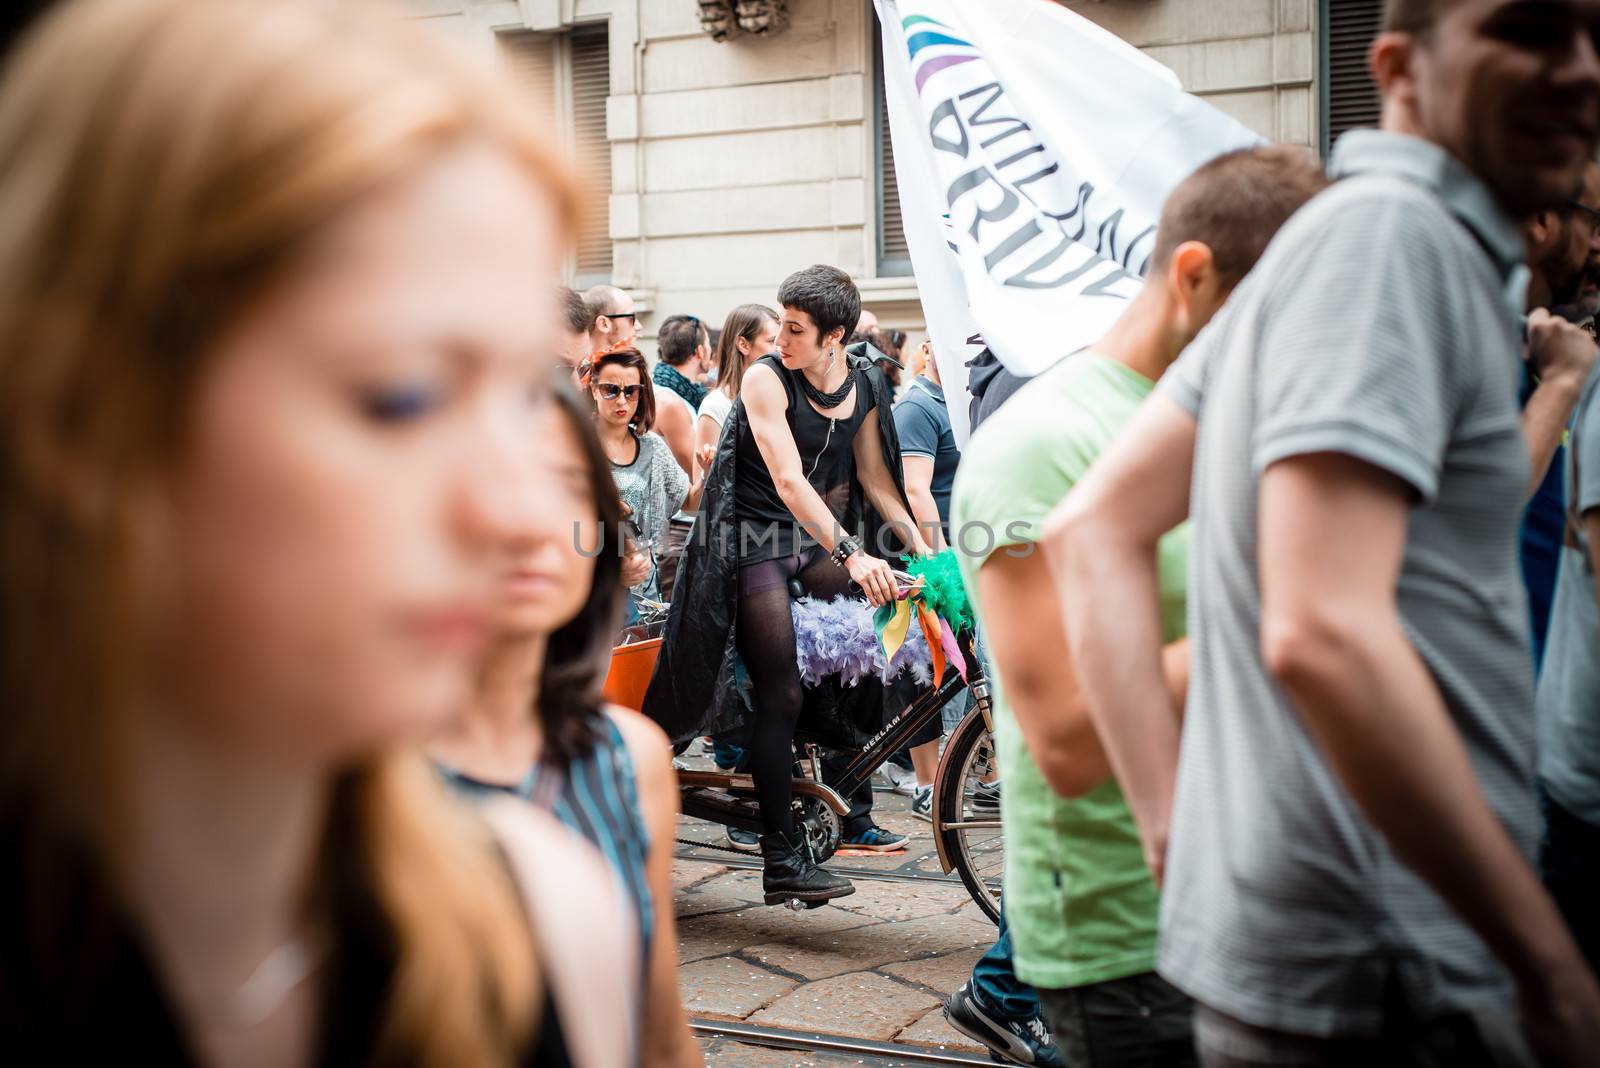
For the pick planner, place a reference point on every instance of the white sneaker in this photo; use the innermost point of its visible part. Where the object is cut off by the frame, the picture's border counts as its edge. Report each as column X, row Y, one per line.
column 922, row 803
column 898, row 779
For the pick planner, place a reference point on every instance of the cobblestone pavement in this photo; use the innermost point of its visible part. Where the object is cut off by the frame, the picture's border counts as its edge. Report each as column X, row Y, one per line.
column 877, row 964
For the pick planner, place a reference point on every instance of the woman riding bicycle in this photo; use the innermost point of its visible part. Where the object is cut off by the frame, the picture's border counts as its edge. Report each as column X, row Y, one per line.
column 810, row 444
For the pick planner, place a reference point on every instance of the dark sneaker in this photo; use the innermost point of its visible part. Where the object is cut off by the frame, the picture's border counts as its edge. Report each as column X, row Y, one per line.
column 876, row 839
column 740, row 838
column 726, row 757
column 922, row 803
column 985, row 799
column 1011, row 1041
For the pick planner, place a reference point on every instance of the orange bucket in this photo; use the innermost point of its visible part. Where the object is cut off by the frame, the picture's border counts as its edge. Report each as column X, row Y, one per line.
column 629, row 676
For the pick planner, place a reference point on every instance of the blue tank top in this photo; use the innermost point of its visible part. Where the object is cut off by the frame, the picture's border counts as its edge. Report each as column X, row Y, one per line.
column 598, row 797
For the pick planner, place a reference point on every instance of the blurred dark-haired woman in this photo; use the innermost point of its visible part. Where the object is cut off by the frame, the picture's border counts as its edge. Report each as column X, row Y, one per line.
column 537, row 730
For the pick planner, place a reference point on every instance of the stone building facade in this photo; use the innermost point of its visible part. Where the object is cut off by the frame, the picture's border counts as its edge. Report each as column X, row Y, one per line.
column 719, row 167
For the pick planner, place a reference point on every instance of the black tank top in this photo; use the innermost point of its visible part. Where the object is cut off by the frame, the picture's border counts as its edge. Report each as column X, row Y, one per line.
column 767, row 529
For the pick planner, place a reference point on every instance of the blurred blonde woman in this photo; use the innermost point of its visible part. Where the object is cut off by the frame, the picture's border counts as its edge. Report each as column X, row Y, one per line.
column 269, row 372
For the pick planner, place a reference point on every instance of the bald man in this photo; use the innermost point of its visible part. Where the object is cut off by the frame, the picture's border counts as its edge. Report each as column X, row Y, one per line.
column 612, row 321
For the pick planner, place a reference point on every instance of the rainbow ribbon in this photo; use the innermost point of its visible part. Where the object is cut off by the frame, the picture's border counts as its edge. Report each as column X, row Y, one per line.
column 893, row 623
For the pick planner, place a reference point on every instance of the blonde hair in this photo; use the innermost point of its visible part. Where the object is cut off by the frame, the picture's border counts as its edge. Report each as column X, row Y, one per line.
column 162, row 163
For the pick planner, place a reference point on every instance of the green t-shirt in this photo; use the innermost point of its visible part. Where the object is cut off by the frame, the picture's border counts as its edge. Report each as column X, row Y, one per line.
column 1079, row 899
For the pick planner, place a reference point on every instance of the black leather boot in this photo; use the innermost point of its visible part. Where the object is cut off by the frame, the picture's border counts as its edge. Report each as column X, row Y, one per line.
column 790, row 874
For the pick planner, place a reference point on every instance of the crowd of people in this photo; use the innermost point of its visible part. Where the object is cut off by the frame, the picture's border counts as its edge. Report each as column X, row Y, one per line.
column 322, row 509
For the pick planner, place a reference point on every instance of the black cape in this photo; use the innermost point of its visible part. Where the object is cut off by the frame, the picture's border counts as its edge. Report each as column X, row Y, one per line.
column 692, row 691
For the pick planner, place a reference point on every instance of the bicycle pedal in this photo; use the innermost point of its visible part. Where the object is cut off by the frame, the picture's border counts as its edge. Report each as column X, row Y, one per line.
column 795, row 904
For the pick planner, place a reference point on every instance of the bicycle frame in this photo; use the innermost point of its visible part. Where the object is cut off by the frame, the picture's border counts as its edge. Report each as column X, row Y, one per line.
column 702, row 792
column 904, row 726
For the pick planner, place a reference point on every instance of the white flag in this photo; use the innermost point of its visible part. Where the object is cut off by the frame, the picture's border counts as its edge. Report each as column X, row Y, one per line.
column 1032, row 151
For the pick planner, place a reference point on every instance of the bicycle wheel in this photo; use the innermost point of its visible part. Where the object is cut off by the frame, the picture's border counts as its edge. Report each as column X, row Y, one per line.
column 969, row 821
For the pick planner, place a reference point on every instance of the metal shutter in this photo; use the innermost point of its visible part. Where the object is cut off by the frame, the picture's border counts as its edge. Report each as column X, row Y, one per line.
column 531, row 59
column 1352, row 98
column 894, row 257
column 591, row 84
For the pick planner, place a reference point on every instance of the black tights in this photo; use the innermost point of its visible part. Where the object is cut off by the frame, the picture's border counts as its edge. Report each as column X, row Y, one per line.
column 766, row 643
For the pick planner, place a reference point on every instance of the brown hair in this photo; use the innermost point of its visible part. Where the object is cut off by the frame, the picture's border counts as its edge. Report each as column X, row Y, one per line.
column 1235, row 203
column 745, row 322
column 645, row 417
column 162, row 165
column 578, row 654
column 1410, row 16
column 574, row 309
column 678, row 336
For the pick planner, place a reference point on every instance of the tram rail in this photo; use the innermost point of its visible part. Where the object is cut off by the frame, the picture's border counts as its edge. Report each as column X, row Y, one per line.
column 881, row 1054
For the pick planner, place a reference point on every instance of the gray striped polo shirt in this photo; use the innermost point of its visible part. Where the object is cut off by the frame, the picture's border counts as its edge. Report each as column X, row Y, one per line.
column 1380, row 323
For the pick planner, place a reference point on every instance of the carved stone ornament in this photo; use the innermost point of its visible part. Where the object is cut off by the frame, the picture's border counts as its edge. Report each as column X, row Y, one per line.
column 726, row 19
column 717, row 19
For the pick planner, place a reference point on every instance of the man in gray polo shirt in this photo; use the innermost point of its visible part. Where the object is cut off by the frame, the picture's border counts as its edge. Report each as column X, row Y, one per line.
column 1352, row 813
column 1569, row 692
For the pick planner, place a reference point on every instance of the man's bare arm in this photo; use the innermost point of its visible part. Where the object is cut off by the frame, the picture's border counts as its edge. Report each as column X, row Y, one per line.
column 1332, row 533
column 1028, row 643
column 919, row 494
column 872, row 469
column 675, row 423
column 1101, row 546
column 1563, row 355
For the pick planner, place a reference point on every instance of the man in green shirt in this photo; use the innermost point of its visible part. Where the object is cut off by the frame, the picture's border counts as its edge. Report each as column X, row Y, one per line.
column 1080, row 903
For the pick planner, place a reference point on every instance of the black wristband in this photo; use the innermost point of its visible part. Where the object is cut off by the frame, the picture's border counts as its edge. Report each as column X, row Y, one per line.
column 845, row 549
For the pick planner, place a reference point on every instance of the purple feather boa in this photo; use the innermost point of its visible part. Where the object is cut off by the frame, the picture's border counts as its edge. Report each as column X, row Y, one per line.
column 837, row 638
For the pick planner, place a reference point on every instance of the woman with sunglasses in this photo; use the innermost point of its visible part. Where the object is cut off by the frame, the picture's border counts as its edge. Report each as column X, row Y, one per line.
column 651, row 484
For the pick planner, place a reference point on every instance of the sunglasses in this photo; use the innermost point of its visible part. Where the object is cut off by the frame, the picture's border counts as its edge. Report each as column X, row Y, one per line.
column 621, row 315
column 611, row 391
column 1592, row 214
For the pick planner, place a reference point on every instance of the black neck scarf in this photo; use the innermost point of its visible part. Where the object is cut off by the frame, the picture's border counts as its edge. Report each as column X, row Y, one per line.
column 827, row 401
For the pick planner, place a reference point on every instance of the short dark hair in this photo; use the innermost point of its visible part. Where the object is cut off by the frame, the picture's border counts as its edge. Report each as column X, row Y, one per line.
column 643, row 419
column 677, row 337
column 1235, row 204
column 574, row 310
column 578, row 655
column 1410, row 16
column 827, row 295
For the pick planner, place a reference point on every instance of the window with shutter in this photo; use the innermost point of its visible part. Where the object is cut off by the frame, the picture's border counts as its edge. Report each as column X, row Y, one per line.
column 1349, row 97
column 591, row 84
column 894, row 258
column 565, row 81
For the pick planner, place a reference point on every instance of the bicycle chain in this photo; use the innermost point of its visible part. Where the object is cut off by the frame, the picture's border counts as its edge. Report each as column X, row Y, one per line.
column 713, row 846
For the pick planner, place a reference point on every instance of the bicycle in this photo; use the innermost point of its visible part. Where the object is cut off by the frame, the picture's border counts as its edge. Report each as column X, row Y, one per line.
column 966, row 832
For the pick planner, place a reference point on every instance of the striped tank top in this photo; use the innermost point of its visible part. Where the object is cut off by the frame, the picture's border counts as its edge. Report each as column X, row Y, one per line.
column 597, row 796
